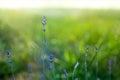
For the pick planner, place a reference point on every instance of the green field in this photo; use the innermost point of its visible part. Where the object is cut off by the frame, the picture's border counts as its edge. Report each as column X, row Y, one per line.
column 68, row 33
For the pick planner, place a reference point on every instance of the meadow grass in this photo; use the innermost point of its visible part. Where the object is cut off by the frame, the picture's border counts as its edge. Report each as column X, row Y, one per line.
column 68, row 33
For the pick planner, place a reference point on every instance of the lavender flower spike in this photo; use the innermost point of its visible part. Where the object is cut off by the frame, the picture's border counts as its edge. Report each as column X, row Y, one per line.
column 8, row 53
column 110, row 68
column 10, row 63
column 65, row 72
column 51, row 56
column 44, row 20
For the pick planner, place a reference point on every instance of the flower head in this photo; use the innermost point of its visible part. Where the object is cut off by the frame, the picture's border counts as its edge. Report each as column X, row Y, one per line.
column 65, row 72
column 44, row 20
column 44, row 29
column 51, row 56
column 8, row 53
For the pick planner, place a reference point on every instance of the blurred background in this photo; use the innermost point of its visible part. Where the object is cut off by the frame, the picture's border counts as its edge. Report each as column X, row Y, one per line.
column 71, row 26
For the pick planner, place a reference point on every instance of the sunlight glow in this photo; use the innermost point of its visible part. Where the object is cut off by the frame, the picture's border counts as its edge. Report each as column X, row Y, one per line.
column 19, row 4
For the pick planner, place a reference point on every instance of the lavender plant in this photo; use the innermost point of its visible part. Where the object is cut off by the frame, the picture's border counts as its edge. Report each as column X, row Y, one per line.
column 51, row 65
column 8, row 53
column 96, row 63
column 66, row 74
column 110, row 69
column 51, row 57
column 85, row 63
column 44, row 44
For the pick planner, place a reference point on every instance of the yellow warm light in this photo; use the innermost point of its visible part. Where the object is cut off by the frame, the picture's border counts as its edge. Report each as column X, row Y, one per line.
column 17, row 4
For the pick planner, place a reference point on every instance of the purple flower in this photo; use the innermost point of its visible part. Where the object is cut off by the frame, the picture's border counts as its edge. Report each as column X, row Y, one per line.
column 65, row 72
column 51, row 60
column 8, row 53
column 44, row 20
column 51, row 56
column 44, row 29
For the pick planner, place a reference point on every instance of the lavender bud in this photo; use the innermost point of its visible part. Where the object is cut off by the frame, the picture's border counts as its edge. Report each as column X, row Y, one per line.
column 29, row 68
column 43, row 22
column 8, row 53
column 44, row 17
column 51, row 56
column 87, row 48
column 44, row 29
column 65, row 72
column 51, row 60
